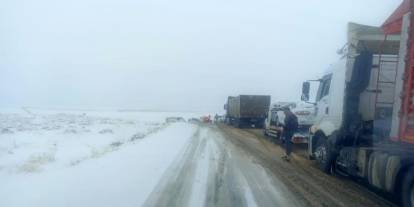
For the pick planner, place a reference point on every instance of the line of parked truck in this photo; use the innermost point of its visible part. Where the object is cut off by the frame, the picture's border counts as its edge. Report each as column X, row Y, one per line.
column 361, row 123
column 256, row 111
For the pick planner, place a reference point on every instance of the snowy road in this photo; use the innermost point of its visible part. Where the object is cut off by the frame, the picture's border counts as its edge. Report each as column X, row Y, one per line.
column 131, row 159
column 212, row 171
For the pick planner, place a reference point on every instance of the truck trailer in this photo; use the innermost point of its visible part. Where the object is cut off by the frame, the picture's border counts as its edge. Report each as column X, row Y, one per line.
column 364, row 125
column 247, row 110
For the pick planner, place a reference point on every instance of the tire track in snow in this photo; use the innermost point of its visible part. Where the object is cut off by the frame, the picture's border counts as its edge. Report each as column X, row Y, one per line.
column 253, row 181
column 224, row 185
column 176, row 185
column 212, row 171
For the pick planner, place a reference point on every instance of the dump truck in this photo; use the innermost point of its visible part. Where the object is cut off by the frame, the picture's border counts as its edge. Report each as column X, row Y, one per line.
column 364, row 125
column 247, row 110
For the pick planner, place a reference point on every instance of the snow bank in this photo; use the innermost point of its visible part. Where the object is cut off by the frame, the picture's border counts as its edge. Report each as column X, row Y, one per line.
column 85, row 159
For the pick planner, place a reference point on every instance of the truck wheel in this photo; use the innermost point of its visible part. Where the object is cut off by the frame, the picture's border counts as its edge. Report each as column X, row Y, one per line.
column 240, row 124
column 407, row 191
column 324, row 155
column 260, row 125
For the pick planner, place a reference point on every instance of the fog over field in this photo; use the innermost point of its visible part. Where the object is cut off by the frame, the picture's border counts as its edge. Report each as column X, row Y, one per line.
column 169, row 55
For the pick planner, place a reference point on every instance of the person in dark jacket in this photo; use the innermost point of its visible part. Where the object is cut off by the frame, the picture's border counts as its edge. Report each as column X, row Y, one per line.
column 289, row 129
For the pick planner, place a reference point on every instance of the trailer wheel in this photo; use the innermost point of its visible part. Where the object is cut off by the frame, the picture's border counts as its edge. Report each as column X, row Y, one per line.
column 407, row 191
column 239, row 124
column 265, row 133
column 324, row 155
column 279, row 135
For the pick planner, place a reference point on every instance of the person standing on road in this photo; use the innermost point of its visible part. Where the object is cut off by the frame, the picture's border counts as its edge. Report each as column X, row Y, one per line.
column 289, row 129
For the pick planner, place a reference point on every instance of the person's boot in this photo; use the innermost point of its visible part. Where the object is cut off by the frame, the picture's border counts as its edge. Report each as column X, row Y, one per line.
column 287, row 158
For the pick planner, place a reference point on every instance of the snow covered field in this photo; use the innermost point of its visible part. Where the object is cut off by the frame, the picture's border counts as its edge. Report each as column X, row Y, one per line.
column 85, row 158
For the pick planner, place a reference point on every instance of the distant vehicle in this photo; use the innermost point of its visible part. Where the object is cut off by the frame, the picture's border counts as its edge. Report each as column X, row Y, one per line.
column 194, row 120
column 247, row 110
column 174, row 119
column 221, row 119
column 206, row 119
column 275, row 120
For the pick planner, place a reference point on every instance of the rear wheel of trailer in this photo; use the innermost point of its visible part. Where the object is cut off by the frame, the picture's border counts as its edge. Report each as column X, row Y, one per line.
column 407, row 190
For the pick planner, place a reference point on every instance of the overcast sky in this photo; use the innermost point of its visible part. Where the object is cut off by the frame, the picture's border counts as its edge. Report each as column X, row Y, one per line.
column 169, row 54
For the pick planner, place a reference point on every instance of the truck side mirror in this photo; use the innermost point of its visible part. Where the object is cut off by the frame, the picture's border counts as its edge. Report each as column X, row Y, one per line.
column 305, row 91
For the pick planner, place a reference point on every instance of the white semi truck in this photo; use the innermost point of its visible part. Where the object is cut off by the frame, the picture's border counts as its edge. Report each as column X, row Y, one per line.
column 359, row 89
column 364, row 125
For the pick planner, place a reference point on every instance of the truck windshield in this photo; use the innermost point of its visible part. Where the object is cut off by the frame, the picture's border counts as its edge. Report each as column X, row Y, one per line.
column 324, row 86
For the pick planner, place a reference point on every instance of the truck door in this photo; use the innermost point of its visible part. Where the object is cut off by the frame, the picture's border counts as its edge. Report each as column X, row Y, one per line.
column 322, row 99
